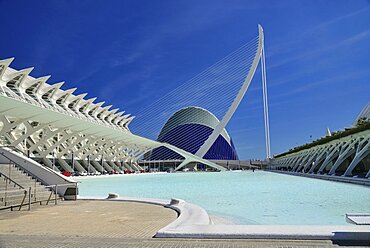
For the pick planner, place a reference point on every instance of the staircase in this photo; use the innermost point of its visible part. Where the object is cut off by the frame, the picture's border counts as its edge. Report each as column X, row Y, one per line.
column 18, row 189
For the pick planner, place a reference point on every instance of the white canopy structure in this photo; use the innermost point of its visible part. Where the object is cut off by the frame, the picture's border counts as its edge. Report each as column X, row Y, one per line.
column 47, row 122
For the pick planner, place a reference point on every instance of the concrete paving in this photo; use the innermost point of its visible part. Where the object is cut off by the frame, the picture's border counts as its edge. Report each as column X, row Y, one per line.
column 109, row 224
column 89, row 219
column 36, row 241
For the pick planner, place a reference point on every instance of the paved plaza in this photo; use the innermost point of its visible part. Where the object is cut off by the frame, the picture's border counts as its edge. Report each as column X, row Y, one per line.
column 108, row 224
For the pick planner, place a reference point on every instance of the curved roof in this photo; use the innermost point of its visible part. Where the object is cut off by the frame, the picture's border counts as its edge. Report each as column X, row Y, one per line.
column 192, row 115
column 188, row 129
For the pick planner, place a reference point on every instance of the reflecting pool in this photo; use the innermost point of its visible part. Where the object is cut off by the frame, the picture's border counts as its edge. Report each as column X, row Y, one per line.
column 244, row 197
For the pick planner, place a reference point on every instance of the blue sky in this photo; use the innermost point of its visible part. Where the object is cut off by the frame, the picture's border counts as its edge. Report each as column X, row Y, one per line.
column 130, row 53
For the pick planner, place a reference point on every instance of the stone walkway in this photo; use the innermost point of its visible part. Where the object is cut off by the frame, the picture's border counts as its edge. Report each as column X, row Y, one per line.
column 108, row 224
column 89, row 219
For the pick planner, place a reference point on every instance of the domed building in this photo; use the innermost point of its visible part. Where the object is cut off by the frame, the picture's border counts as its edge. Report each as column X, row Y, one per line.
column 188, row 129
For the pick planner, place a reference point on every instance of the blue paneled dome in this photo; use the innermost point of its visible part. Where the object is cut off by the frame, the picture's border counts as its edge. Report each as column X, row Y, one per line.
column 188, row 129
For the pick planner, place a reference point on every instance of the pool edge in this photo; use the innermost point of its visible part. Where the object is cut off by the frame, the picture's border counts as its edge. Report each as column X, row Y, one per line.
column 194, row 222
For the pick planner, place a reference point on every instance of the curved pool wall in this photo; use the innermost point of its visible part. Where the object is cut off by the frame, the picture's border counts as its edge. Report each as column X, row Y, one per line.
column 244, row 197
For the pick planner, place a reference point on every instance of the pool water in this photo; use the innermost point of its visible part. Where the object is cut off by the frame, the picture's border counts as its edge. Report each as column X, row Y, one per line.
column 244, row 197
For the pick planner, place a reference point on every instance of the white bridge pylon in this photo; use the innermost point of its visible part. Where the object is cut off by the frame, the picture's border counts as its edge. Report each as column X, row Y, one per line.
column 259, row 57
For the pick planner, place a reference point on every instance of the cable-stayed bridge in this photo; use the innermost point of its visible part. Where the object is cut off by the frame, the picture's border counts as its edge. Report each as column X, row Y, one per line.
column 218, row 90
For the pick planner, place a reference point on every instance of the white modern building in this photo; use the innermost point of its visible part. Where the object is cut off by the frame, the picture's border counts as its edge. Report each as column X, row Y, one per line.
column 68, row 132
column 345, row 154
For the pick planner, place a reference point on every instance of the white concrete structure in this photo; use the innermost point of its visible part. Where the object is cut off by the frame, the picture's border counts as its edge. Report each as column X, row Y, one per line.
column 68, row 132
column 347, row 156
